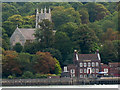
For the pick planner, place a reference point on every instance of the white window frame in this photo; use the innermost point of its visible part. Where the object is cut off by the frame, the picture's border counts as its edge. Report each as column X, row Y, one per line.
column 85, row 76
column 85, row 64
column 72, row 75
column 85, row 70
column 93, row 70
column 97, row 64
column 81, row 70
column 106, row 70
column 93, row 64
column 89, row 64
column 97, row 70
column 72, row 71
column 81, row 76
column 81, row 64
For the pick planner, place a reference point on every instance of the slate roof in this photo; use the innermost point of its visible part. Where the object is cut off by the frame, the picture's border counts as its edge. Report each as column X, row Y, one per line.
column 92, row 57
column 28, row 33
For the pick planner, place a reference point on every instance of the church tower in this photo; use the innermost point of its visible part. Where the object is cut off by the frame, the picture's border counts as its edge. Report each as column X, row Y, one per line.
column 43, row 14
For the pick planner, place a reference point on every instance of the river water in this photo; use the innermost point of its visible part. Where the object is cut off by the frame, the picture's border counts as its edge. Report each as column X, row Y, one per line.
column 69, row 86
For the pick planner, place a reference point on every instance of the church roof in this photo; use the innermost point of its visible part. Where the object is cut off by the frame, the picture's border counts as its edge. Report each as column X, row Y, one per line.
column 28, row 33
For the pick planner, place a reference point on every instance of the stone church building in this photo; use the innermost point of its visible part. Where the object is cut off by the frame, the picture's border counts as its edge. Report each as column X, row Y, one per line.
column 22, row 35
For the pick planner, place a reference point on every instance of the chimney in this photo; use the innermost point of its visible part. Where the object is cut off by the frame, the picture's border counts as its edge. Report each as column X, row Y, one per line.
column 97, row 52
column 76, row 55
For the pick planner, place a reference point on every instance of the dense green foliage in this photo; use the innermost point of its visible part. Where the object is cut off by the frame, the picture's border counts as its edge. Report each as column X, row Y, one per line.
column 82, row 26
column 25, row 65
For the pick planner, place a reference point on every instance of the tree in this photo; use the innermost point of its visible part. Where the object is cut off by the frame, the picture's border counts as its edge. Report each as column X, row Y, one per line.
column 60, row 16
column 116, row 44
column 43, row 63
column 85, row 16
column 16, row 19
column 44, row 34
column 110, row 35
column 10, row 65
column 25, row 60
column 8, row 10
column 96, row 11
column 9, row 27
column 18, row 47
column 68, row 28
column 108, row 52
column 63, row 44
column 84, row 39
column 55, row 53
column 58, row 69
column 5, row 40
column 32, row 47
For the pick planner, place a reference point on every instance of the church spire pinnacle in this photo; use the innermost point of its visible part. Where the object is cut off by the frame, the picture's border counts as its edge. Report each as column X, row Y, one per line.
column 37, row 11
column 45, row 10
column 41, row 10
column 49, row 10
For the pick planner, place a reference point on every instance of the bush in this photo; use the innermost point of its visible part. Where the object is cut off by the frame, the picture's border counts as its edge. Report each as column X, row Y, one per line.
column 27, row 75
column 10, row 77
column 40, row 75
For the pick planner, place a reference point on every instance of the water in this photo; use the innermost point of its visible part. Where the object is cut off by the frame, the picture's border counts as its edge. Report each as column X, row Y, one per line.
column 69, row 86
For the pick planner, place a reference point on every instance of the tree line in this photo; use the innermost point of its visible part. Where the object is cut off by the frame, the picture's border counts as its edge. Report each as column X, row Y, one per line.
column 85, row 27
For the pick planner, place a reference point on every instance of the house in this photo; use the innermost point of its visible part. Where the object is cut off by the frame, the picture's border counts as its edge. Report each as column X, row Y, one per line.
column 84, row 65
column 114, row 69
column 22, row 35
column 105, row 69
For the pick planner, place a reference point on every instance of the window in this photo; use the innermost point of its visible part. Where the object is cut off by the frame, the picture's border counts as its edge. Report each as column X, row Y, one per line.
column 85, row 71
column 93, row 64
column 89, row 64
column 81, row 64
column 97, row 70
column 93, row 75
column 81, row 76
column 96, row 75
column 72, row 75
column 65, row 69
column 72, row 70
column 97, row 64
column 85, row 76
column 84, row 64
column 81, row 70
column 93, row 70
column 106, row 70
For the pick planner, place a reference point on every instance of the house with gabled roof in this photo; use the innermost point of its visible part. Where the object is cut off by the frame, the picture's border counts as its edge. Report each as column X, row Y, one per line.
column 84, row 65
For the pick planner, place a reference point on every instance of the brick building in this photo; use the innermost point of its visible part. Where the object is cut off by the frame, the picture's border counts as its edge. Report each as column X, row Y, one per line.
column 105, row 68
column 84, row 65
column 114, row 69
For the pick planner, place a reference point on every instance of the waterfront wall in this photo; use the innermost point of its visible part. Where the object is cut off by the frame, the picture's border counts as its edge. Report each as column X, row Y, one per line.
column 54, row 81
